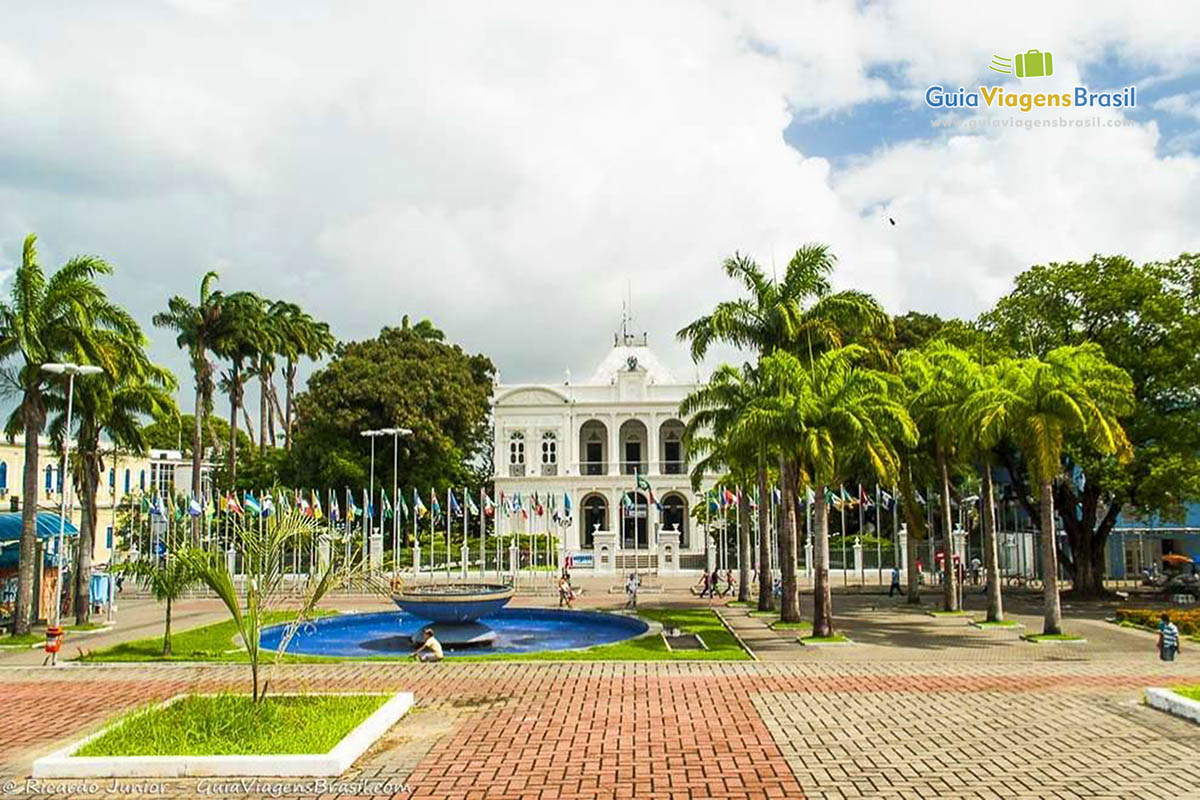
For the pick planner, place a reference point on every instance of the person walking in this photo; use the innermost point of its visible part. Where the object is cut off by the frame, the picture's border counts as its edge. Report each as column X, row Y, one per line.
column 895, row 582
column 565, row 594
column 1168, row 638
column 631, row 590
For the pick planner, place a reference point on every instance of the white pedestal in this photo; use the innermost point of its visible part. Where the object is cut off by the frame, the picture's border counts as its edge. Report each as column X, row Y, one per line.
column 808, row 558
column 514, row 562
column 231, row 561
column 902, row 536
column 858, row 555
column 604, row 548
column 323, row 555
column 416, row 557
column 375, row 552
column 462, row 572
column 668, row 551
column 710, row 555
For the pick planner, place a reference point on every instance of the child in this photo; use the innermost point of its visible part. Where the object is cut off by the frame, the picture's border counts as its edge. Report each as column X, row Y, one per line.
column 430, row 649
column 1168, row 638
column 895, row 582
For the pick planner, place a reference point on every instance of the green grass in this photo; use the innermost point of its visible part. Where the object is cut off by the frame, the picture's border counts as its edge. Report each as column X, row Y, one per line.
column 1190, row 692
column 722, row 646
column 837, row 637
column 206, row 643
column 950, row 613
column 1052, row 637
column 87, row 626
column 22, row 640
column 1008, row 623
column 780, row 625
column 200, row 725
column 757, row 613
column 739, row 604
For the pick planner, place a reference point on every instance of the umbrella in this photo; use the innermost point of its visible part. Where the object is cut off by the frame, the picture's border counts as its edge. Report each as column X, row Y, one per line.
column 1176, row 558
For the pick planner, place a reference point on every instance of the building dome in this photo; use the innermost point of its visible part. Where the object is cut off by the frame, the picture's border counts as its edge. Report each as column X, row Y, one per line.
column 623, row 358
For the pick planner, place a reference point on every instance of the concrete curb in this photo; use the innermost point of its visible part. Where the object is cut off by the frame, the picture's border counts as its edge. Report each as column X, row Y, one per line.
column 1172, row 703
column 741, row 642
column 61, row 764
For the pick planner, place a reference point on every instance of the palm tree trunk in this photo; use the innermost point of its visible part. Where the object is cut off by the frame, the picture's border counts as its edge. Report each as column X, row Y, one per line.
column 290, row 374
column 249, row 425
column 167, row 631
column 995, row 603
column 789, row 603
column 950, row 585
column 263, row 381
column 766, row 598
column 197, row 447
column 90, row 473
column 822, row 596
column 915, row 522
column 1053, row 622
column 744, row 550
column 33, row 418
column 234, row 401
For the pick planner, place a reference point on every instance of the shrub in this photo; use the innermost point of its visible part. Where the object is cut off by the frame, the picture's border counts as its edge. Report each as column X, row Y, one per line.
column 1187, row 620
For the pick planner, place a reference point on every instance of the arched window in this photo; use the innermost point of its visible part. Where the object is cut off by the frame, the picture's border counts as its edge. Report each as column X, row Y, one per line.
column 58, row 482
column 127, row 476
column 3, row 474
column 516, row 454
column 142, row 481
column 674, row 512
column 593, row 518
column 49, row 479
column 112, row 478
column 549, row 453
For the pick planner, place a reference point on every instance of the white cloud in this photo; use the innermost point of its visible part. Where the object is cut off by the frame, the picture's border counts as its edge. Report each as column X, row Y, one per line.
column 506, row 170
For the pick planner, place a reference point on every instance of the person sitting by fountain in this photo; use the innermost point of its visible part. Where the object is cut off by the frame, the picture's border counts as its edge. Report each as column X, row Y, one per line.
column 430, row 649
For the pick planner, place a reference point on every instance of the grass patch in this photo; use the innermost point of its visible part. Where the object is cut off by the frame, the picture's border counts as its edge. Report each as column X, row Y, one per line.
column 1052, row 637
column 227, row 724
column 740, row 604
column 780, row 625
column 950, row 613
column 722, row 646
column 1007, row 623
column 837, row 638
column 22, row 640
column 87, row 626
column 206, row 643
column 1190, row 692
column 757, row 613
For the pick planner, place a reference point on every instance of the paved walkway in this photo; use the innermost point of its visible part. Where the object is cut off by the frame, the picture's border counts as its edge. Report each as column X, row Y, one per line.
column 943, row 711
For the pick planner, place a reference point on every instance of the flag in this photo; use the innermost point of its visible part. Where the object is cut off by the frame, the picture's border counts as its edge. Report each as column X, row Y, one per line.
column 144, row 504
column 418, row 507
column 385, row 505
column 471, row 507
column 627, row 504
column 832, row 499
column 810, row 496
column 268, row 505
column 567, row 504
column 156, row 508
column 713, row 505
column 335, row 511
column 864, row 498
column 400, row 504
column 537, row 505
column 434, row 505
column 232, row 505
column 920, row 499
column 489, row 508
column 251, row 504
column 886, row 499
column 194, row 507
column 317, row 511
column 730, row 498
column 351, row 507
column 846, row 498
column 455, row 506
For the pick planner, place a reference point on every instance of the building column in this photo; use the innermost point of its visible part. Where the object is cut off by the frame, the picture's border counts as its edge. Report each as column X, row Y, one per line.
column 654, row 458
column 614, row 445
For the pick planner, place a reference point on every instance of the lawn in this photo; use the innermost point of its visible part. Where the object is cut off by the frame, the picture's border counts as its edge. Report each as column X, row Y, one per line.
column 1006, row 623
column 1190, row 692
column 1052, row 637
column 210, row 725
column 206, row 643
column 780, row 625
column 837, row 638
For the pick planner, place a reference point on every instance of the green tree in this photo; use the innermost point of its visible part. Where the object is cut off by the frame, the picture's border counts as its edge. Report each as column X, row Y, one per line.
column 48, row 319
column 713, row 413
column 401, row 378
column 830, row 417
column 1146, row 319
column 201, row 329
column 166, row 580
column 175, row 432
column 1039, row 403
column 299, row 336
column 246, row 336
column 111, row 405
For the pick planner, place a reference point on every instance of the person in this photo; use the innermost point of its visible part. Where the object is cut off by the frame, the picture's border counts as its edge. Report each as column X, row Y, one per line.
column 1168, row 638
column 714, row 583
column 895, row 582
column 565, row 595
column 728, row 582
column 430, row 649
column 710, row 584
column 631, row 590
column 976, row 571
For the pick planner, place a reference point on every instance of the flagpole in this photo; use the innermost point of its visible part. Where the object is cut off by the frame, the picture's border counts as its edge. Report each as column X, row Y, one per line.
column 842, row 505
column 862, row 516
column 449, row 514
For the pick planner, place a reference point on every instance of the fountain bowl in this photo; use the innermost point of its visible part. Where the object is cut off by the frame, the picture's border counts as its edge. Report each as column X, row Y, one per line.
column 453, row 603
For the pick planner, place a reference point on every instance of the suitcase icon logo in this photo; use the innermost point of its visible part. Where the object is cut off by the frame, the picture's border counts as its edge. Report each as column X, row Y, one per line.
column 1030, row 64
column 1034, row 64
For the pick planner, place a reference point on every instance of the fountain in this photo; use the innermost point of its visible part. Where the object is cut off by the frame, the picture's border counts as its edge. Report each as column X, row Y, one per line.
column 454, row 609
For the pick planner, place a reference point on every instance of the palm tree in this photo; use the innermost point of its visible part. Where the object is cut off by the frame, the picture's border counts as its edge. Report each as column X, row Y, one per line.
column 201, row 329
column 1039, row 403
column 302, row 336
column 166, row 580
column 988, row 380
column 940, row 378
column 800, row 313
column 829, row 417
column 712, row 412
column 245, row 338
column 48, row 319
column 112, row 406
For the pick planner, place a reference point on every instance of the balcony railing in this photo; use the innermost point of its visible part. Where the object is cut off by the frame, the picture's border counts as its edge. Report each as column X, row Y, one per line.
column 593, row 468
column 630, row 467
column 673, row 467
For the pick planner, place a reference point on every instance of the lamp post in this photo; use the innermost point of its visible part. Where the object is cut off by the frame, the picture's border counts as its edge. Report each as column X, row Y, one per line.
column 70, row 370
column 395, row 433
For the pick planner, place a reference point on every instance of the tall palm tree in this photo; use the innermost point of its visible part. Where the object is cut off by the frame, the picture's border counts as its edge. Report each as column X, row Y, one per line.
column 245, row 338
column 988, row 380
column 940, row 378
column 113, row 406
column 713, row 411
column 303, row 337
column 48, row 319
column 201, row 329
column 799, row 313
column 1039, row 403
column 829, row 416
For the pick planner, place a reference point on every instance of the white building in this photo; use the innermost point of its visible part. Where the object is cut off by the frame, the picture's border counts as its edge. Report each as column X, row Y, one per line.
column 588, row 440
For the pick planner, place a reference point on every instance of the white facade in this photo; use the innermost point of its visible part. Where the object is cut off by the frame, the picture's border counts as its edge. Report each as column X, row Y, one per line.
column 587, row 440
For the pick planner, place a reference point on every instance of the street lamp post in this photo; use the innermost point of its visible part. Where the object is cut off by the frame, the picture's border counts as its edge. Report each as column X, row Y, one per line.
column 395, row 433
column 70, row 370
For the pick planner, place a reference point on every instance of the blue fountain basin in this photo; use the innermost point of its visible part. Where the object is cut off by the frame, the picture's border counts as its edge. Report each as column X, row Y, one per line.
column 455, row 603
column 518, row 630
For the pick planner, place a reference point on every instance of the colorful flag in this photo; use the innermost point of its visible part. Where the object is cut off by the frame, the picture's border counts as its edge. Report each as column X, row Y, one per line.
column 886, row 499
column 385, row 505
column 776, row 496
column 351, row 507
column 471, row 507
column 268, row 505
column 232, row 505
column 920, row 499
column 335, row 511
column 730, row 498
column 194, row 507
column 317, row 511
column 864, row 498
column 846, row 498
column 251, row 504
column 455, row 506
column 567, row 504
column 418, row 506
column 810, row 496
column 434, row 506
column 403, row 506
column 489, row 508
